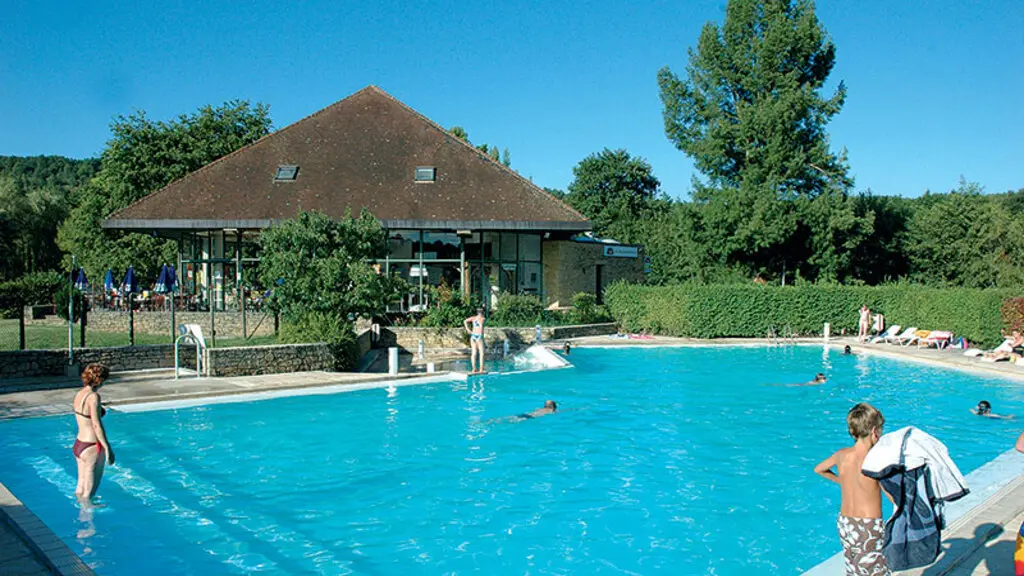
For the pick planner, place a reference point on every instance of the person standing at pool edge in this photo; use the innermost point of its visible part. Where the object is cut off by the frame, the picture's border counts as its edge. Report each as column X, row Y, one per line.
column 861, row 529
column 91, row 443
column 865, row 323
column 475, row 326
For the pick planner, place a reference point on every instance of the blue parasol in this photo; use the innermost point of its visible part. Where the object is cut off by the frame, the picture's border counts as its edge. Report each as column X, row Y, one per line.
column 108, row 281
column 168, row 280
column 130, row 284
column 81, row 282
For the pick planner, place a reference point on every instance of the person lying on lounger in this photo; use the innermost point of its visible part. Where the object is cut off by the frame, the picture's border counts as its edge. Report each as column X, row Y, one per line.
column 985, row 409
column 1011, row 349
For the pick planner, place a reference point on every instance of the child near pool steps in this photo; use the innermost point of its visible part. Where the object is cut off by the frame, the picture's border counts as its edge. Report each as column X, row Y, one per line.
column 860, row 515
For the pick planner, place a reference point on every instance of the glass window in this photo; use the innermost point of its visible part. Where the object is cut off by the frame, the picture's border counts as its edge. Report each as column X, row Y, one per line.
column 402, row 244
column 529, row 247
column 508, row 278
column 490, row 245
column 529, row 278
column 441, row 246
column 443, row 275
column 473, row 247
column 508, row 246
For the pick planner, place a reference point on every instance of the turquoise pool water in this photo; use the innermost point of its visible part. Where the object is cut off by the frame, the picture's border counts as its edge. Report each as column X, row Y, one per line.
column 671, row 460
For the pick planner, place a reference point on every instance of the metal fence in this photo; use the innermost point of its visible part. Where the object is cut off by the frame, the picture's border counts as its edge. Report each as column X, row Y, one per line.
column 146, row 322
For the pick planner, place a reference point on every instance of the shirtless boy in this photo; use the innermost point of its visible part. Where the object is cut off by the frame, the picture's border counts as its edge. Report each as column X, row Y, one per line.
column 860, row 515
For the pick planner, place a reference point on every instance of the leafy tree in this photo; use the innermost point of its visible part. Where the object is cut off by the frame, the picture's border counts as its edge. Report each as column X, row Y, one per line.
column 317, row 264
column 142, row 156
column 613, row 190
column 33, row 203
column 751, row 114
column 965, row 239
column 492, row 152
column 881, row 257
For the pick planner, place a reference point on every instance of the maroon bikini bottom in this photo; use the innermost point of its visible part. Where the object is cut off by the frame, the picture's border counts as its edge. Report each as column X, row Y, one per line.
column 80, row 447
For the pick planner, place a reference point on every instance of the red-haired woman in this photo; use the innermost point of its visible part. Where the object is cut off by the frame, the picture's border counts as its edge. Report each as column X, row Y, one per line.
column 91, row 446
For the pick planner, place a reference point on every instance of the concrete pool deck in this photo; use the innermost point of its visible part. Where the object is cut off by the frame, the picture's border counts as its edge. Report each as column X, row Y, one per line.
column 979, row 541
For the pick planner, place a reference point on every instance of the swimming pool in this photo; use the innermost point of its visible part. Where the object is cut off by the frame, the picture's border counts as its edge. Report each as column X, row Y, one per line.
column 674, row 460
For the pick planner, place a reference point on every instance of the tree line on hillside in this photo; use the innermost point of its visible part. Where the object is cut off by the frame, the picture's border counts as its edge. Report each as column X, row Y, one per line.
column 773, row 203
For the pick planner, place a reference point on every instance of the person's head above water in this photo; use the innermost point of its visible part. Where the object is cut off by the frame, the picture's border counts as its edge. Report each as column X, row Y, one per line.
column 984, row 407
column 847, row 350
column 551, row 405
column 819, row 377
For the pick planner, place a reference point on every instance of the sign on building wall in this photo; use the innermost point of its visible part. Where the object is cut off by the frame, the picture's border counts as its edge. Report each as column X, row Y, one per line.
column 614, row 251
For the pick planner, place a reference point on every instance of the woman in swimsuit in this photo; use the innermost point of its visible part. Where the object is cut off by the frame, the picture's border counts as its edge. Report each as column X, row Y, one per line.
column 91, row 443
column 865, row 323
column 475, row 326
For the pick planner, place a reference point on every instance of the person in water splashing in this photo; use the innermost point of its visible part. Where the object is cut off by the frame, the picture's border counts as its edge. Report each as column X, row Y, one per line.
column 550, row 407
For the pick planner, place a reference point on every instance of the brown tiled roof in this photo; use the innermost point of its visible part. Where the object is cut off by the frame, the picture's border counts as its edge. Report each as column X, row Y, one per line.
column 359, row 152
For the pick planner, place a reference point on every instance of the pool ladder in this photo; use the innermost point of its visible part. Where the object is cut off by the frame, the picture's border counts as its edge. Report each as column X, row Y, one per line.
column 788, row 337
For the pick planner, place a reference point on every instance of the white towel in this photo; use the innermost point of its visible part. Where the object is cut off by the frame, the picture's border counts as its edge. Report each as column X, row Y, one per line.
column 921, row 449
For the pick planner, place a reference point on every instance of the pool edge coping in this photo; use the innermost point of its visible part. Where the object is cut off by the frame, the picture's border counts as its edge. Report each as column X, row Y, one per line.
column 46, row 546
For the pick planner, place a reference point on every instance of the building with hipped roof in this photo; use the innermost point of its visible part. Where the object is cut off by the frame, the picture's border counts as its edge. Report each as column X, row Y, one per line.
column 453, row 215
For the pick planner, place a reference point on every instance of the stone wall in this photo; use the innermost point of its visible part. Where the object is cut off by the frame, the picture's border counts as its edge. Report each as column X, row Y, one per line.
column 33, row 363
column 251, row 360
column 433, row 338
column 228, row 323
column 571, row 267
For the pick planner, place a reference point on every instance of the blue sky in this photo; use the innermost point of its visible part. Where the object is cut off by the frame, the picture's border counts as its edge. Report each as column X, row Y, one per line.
column 934, row 87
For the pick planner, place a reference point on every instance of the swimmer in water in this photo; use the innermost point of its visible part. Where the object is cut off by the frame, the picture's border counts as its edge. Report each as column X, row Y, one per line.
column 847, row 350
column 819, row 378
column 566, row 348
column 985, row 409
column 550, row 407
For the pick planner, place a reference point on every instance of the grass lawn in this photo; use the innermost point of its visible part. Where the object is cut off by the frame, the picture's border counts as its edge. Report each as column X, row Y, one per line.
column 39, row 337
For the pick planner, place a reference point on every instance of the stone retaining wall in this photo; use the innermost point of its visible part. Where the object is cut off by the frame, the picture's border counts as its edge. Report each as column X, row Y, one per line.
column 409, row 338
column 251, row 360
column 33, row 363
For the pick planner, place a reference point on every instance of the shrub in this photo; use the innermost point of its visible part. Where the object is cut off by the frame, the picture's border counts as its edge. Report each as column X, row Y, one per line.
column 61, row 301
column 1013, row 313
column 12, row 299
column 718, row 311
column 518, row 310
column 41, row 287
column 585, row 309
column 448, row 308
column 332, row 329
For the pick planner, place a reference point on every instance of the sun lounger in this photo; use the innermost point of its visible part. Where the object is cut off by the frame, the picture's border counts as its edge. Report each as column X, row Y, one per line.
column 919, row 335
column 904, row 336
column 889, row 333
column 938, row 338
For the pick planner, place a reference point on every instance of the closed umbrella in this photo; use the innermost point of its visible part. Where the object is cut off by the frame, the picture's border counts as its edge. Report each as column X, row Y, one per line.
column 161, row 281
column 81, row 282
column 108, row 281
column 167, row 283
column 130, row 284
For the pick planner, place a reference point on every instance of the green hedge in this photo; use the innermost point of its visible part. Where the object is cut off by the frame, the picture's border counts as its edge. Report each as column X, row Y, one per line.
column 745, row 311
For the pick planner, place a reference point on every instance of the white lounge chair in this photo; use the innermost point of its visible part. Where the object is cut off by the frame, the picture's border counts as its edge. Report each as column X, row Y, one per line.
column 917, row 337
column 938, row 338
column 904, row 337
column 890, row 332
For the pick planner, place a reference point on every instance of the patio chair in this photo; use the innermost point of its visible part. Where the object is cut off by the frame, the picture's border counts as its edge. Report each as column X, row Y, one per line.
column 890, row 332
column 904, row 336
column 938, row 338
column 919, row 335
